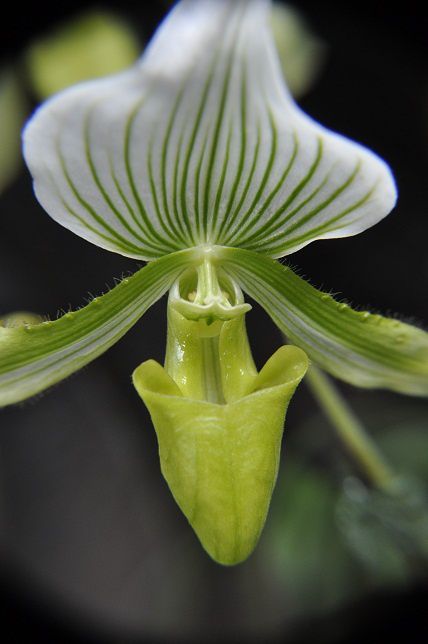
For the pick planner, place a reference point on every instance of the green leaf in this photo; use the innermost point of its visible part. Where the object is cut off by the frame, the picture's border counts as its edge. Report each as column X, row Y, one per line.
column 92, row 45
column 34, row 357
column 201, row 143
column 302, row 547
column 387, row 531
column 358, row 347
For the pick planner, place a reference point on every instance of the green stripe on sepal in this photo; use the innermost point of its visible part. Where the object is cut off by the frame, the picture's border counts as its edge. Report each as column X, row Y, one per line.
column 34, row 357
column 358, row 347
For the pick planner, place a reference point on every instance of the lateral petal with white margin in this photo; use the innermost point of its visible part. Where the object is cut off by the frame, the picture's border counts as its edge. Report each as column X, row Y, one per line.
column 358, row 347
column 33, row 358
column 201, row 142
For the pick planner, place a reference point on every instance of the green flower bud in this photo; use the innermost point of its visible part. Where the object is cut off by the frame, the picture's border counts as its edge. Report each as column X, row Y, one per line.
column 219, row 423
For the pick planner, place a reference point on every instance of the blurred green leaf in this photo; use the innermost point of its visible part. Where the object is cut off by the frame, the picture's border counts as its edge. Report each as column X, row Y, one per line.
column 12, row 115
column 93, row 45
column 388, row 532
column 325, row 544
column 301, row 53
column 406, row 445
column 302, row 543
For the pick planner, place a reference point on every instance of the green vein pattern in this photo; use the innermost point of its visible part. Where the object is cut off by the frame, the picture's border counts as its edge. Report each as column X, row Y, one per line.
column 35, row 357
column 361, row 348
column 214, row 154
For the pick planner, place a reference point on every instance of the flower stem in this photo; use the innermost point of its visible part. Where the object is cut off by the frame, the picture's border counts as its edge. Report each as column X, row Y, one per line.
column 350, row 430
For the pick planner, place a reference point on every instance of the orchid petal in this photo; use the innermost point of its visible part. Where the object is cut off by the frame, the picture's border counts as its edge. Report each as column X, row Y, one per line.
column 363, row 349
column 34, row 357
column 201, row 143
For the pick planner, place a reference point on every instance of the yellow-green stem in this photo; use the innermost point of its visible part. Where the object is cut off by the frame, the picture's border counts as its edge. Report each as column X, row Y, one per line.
column 350, row 430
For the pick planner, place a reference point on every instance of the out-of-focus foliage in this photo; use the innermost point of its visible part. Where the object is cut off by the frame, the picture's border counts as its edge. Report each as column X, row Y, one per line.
column 303, row 545
column 301, row 53
column 12, row 114
column 389, row 532
column 19, row 318
column 93, row 45
column 326, row 545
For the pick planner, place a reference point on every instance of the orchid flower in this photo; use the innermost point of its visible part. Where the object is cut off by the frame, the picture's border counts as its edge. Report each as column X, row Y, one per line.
column 198, row 161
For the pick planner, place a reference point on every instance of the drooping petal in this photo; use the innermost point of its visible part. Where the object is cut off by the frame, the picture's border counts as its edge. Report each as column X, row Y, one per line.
column 358, row 347
column 201, row 143
column 34, row 357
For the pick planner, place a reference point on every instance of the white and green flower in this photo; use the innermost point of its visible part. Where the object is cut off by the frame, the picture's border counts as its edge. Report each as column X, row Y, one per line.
column 198, row 161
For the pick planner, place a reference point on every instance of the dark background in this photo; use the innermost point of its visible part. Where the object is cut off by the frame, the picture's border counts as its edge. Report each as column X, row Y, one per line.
column 94, row 549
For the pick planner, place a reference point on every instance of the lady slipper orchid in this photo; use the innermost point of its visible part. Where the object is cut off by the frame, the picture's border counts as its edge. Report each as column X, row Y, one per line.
column 198, row 161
